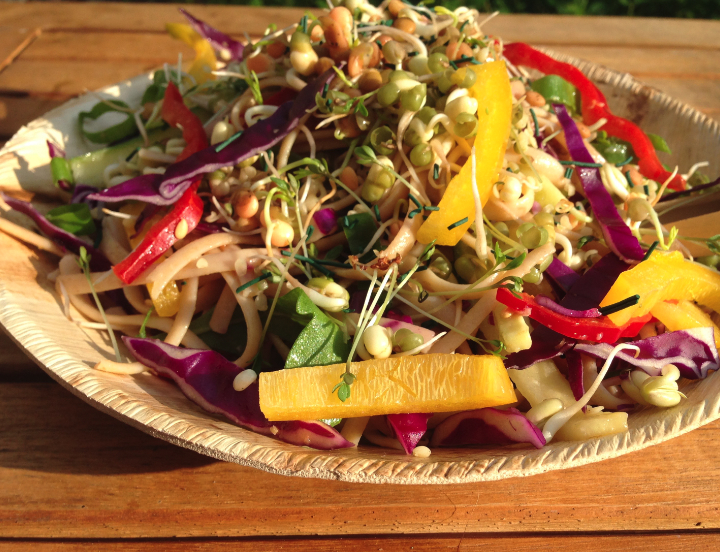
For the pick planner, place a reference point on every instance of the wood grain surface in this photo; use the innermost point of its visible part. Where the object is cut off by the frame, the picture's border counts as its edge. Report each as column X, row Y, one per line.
column 72, row 478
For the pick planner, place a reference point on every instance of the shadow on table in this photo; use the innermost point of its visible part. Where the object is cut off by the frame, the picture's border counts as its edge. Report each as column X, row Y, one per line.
column 46, row 429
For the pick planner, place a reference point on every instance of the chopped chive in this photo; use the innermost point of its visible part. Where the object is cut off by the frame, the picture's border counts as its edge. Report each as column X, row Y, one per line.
column 535, row 122
column 421, row 268
column 568, row 172
column 432, row 208
column 620, row 305
column 325, row 89
column 436, row 171
column 453, row 65
column 458, row 223
column 376, row 210
column 463, row 25
column 303, row 24
column 254, row 281
column 414, row 212
column 582, row 164
column 468, row 58
column 227, row 142
column 310, row 231
column 646, row 189
column 412, row 54
column 132, row 154
column 328, row 103
column 312, row 262
column 629, row 180
column 349, row 223
column 650, row 251
column 348, row 310
column 415, row 201
column 623, row 163
column 423, row 295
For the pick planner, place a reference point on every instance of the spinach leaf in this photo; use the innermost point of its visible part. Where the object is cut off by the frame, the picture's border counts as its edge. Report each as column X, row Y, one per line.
column 318, row 340
column 359, row 230
column 74, row 218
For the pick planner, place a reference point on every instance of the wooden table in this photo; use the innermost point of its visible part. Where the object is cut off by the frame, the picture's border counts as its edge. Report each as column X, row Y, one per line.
column 73, row 478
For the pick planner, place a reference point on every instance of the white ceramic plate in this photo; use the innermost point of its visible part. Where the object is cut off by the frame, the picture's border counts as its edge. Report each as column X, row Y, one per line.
column 31, row 313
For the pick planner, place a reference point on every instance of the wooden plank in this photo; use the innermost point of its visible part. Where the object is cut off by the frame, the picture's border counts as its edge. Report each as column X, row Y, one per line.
column 642, row 542
column 18, row 110
column 69, row 78
column 69, row 471
column 112, row 16
column 15, row 366
column 12, row 42
column 546, row 29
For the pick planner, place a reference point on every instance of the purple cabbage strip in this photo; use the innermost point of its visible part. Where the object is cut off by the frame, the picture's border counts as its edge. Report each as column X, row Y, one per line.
column 326, row 220
column 617, row 234
column 692, row 351
column 141, row 188
column 209, row 228
column 54, row 150
column 593, row 286
column 553, row 306
column 575, row 373
column 81, row 194
column 206, row 378
column 164, row 189
column 587, row 292
column 684, row 193
column 66, row 240
column 409, row 428
column 487, row 426
column 561, row 276
column 228, row 48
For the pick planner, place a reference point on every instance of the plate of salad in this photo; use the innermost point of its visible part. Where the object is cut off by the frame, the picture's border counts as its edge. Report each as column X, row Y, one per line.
column 377, row 245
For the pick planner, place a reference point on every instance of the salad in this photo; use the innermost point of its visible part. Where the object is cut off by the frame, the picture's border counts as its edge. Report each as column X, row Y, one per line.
column 383, row 224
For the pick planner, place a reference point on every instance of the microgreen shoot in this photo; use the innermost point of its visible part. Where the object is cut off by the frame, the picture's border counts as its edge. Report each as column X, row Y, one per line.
column 83, row 262
column 254, row 85
column 584, row 240
column 142, row 333
column 344, row 78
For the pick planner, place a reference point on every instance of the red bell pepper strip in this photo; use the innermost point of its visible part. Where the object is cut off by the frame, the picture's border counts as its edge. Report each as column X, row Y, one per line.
column 595, row 107
column 161, row 236
column 597, row 330
column 176, row 113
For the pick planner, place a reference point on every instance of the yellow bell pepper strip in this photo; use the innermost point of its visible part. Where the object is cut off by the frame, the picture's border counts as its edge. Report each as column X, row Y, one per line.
column 168, row 302
column 492, row 91
column 663, row 277
column 205, row 61
column 418, row 384
column 684, row 315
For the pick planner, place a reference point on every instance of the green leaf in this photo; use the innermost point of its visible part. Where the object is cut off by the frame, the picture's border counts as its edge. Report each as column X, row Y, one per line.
column 332, row 422
column 659, row 143
column 319, row 341
column 114, row 133
column 74, row 218
column 280, row 183
column 365, row 155
column 359, row 230
column 344, row 392
column 516, row 262
column 153, row 93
